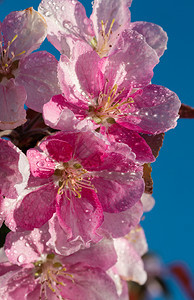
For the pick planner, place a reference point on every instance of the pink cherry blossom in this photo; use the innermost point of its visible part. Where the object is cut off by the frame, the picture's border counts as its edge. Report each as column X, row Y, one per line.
column 33, row 271
column 14, row 174
column 114, row 94
column 24, row 77
column 68, row 23
column 79, row 175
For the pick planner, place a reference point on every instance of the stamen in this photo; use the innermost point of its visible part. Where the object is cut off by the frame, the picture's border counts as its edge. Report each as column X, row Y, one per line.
column 71, row 178
column 48, row 271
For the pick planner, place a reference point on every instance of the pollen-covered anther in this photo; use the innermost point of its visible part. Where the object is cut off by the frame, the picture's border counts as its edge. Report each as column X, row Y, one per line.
column 71, row 177
column 50, row 273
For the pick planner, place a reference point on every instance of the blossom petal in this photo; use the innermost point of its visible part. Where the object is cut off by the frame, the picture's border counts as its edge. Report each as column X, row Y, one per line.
column 80, row 217
column 154, row 35
column 80, row 77
column 134, row 141
column 109, row 10
column 26, row 247
column 90, row 283
column 101, row 255
column 154, row 111
column 58, row 113
column 40, row 165
column 129, row 265
column 36, row 208
column 121, row 223
column 12, row 112
column 38, row 74
column 60, row 151
column 67, row 22
column 29, row 28
column 132, row 65
column 14, row 171
column 118, row 192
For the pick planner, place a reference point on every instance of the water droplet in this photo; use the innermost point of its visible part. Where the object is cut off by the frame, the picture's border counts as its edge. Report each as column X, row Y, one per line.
column 21, row 258
column 26, row 244
column 90, row 220
column 48, row 14
column 63, row 7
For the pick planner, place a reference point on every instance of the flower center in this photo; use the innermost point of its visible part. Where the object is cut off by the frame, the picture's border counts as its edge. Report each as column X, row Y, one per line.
column 71, row 177
column 109, row 106
column 103, row 45
column 50, row 274
column 8, row 63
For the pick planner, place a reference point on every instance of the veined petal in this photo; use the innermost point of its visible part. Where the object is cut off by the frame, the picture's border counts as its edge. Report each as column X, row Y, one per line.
column 58, row 113
column 118, row 192
column 109, row 10
column 38, row 74
column 14, row 171
column 154, row 111
column 154, row 35
column 67, row 22
column 119, row 224
column 131, row 66
column 40, row 165
column 79, row 77
column 134, row 141
column 80, row 216
column 12, row 112
column 29, row 28
column 101, row 255
column 36, row 207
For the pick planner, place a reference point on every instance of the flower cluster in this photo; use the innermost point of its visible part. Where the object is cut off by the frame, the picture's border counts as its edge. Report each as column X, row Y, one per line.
column 73, row 186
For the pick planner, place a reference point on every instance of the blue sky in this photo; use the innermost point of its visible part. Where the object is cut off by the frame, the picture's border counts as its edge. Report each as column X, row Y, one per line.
column 170, row 226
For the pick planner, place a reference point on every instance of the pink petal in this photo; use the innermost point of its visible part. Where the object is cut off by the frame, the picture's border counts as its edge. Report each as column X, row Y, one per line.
column 119, row 224
column 58, row 240
column 154, row 111
column 101, row 255
column 134, row 141
column 38, row 74
column 90, row 283
column 129, row 265
column 12, row 112
column 26, row 247
column 14, row 171
column 148, row 202
column 118, row 192
column 40, row 164
column 132, row 65
column 154, row 35
column 80, row 76
column 30, row 28
column 81, row 217
column 58, row 113
column 107, row 10
column 60, row 151
column 36, row 208
column 67, row 22
column 138, row 240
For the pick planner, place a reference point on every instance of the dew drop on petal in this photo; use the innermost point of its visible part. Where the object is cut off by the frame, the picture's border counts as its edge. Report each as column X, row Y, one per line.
column 21, row 258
